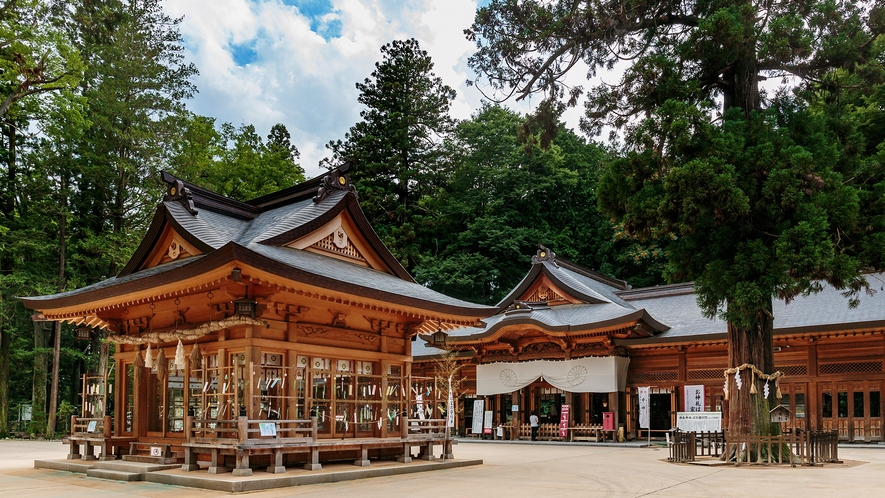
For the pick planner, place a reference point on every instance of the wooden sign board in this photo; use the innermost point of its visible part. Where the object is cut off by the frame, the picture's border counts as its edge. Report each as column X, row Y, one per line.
column 780, row 413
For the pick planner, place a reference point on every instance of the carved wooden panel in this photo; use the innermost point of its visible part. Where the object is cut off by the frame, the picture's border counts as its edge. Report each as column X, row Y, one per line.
column 544, row 294
column 339, row 243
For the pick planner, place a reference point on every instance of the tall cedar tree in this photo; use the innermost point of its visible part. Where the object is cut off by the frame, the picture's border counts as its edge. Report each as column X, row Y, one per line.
column 756, row 195
column 136, row 84
column 37, row 63
column 397, row 147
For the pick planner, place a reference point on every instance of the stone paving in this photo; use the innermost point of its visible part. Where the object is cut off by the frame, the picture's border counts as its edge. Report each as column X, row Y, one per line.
column 511, row 470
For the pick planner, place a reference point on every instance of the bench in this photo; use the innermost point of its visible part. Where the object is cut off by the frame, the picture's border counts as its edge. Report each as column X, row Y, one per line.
column 93, row 433
column 586, row 433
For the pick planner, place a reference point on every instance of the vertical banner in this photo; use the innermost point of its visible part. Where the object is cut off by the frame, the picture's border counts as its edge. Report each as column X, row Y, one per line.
column 694, row 398
column 487, row 423
column 450, row 408
column 643, row 407
column 563, row 420
column 478, row 406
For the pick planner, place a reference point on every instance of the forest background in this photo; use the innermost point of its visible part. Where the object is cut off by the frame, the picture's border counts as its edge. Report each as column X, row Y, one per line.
column 94, row 106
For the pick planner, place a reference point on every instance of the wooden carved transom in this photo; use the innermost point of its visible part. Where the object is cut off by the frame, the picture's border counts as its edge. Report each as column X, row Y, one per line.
column 545, row 294
column 339, row 243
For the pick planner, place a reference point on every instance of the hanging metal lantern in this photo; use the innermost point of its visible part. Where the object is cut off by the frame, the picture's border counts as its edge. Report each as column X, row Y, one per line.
column 439, row 338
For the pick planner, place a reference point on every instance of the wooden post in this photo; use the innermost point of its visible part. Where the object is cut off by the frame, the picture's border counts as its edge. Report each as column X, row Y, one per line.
column 74, row 453
column 190, row 458
column 242, row 468
column 214, row 468
column 120, row 400
column 314, row 462
column 242, row 429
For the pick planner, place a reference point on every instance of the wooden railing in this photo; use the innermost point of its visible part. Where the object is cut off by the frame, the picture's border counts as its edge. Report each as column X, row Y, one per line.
column 799, row 447
column 423, row 428
column 243, row 430
column 823, row 446
column 91, row 427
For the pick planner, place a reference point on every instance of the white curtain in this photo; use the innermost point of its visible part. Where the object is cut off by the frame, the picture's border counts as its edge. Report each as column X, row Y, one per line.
column 584, row 375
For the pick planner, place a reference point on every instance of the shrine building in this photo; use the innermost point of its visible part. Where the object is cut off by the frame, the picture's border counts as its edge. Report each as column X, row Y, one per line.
column 567, row 337
column 283, row 308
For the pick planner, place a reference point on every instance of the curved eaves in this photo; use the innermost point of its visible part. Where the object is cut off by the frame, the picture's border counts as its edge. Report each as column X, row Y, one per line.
column 497, row 329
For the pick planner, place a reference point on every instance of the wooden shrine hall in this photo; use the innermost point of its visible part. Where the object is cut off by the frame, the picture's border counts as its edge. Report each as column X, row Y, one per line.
column 569, row 338
column 265, row 333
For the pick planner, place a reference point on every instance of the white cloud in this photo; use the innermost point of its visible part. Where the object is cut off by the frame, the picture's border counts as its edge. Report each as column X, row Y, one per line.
column 289, row 73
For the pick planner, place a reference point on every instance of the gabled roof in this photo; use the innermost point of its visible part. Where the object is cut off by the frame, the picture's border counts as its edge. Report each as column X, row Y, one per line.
column 591, row 303
column 209, row 221
column 261, row 233
column 580, row 283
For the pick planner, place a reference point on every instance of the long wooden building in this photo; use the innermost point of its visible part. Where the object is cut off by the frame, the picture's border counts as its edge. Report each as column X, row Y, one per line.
column 567, row 336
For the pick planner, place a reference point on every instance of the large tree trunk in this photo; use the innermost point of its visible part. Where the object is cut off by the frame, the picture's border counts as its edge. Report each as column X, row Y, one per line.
column 56, row 349
column 7, row 206
column 5, row 340
column 749, row 413
column 41, row 368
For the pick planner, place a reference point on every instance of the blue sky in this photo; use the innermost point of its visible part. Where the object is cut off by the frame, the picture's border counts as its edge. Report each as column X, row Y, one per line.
column 296, row 62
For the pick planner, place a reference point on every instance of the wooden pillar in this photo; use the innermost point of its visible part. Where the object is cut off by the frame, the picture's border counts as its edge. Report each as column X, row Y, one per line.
column 291, row 369
column 119, row 399
column 223, row 399
column 385, row 372
column 139, row 397
column 813, row 408
column 253, row 373
column 515, row 415
column 615, row 408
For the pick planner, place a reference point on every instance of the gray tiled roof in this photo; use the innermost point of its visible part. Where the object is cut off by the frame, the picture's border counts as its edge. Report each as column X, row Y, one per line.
column 567, row 317
column 213, row 228
column 351, row 274
column 114, row 281
column 827, row 309
column 585, row 284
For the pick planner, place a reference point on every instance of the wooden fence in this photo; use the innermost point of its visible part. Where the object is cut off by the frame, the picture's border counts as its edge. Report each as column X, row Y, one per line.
column 795, row 448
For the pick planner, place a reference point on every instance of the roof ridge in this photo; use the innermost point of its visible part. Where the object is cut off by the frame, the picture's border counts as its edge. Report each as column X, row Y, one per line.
column 205, row 198
column 658, row 291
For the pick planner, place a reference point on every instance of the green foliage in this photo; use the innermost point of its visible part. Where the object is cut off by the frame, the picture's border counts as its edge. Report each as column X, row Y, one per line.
column 397, row 147
column 234, row 162
column 36, row 57
column 503, row 197
column 757, row 200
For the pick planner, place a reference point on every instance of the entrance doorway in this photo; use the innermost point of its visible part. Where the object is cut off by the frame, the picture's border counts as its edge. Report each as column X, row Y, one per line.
column 659, row 412
column 854, row 409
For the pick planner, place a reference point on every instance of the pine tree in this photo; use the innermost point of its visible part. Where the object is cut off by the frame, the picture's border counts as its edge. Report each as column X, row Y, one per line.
column 397, row 147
